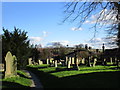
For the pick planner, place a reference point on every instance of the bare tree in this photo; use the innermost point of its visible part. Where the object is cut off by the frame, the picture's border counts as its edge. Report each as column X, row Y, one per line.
column 109, row 13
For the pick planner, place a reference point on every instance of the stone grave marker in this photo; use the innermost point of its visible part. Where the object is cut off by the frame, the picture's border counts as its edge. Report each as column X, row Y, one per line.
column 83, row 61
column 104, row 61
column 94, row 62
column 40, row 62
column 48, row 60
column 14, row 67
column 9, row 63
column 68, row 63
column 111, row 60
column 73, row 60
column 55, row 63
column 30, row 61
column 66, row 60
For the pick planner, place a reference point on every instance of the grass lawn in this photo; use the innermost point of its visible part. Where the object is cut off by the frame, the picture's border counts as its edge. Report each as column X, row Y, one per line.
column 87, row 77
column 21, row 81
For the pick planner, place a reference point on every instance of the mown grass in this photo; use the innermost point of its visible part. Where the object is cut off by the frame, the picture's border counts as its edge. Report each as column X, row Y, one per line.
column 20, row 81
column 87, row 77
column 85, row 70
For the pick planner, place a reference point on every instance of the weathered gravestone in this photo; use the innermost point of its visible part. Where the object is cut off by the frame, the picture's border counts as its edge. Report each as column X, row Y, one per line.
column 48, row 60
column 66, row 60
column 83, row 61
column 51, row 61
column 73, row 60
column 30, row 61
column 76, row 67
column 40, row 62
column 14, row 68
column 9, row 65
column 94, row 62
column 89, row 62
column 104, row 62
column 55, row 63
column 68, row 63
column 111, row 60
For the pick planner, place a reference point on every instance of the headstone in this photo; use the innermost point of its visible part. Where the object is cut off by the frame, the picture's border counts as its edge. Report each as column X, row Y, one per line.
column 89, row 62
column 73, row 60
column 111, row 61
column 55, row 63
column 104, row 61
column 48, row 61
column 94, row 63
column 83, row 61
column 63, row 62
column 76, row 67
column 68, row 63
column 70, row 58
column 77, row 61
column 51, row 62
column 40, row 62
column 115, row 60
column 36, row 63
column 66, row 60
column 30, row 61
column 1, row 67
column 14, row 68
column 9, row 63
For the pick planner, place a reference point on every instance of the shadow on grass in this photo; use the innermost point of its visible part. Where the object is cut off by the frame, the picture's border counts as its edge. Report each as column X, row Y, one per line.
column 6, row 84
column 11, row 85
column 39, row 67
column 89, row 80
column 93, row 80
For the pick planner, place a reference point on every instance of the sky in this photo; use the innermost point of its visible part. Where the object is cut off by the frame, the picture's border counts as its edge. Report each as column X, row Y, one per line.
column 43, row 22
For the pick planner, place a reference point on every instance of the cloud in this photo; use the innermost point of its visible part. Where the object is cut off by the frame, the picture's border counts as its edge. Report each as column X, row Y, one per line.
column 45, row 33
column 35, row 40
column 64, row 43
column 98, row 42
column 76, row 29
column 106, row 17
column 87, row 21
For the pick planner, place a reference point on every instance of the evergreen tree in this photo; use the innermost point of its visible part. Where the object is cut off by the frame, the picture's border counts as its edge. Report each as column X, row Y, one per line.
column 18, row 44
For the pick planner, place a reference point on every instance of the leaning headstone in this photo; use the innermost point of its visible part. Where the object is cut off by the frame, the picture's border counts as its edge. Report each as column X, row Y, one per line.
column 30, row 61
column 14, row 70
column 94, row 63
column 9, row 63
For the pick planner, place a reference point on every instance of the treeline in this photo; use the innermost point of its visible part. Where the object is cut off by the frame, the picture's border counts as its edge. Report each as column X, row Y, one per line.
column 18, row 44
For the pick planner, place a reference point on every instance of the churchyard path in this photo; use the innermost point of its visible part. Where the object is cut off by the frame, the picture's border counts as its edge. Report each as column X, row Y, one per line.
column 35, row 81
